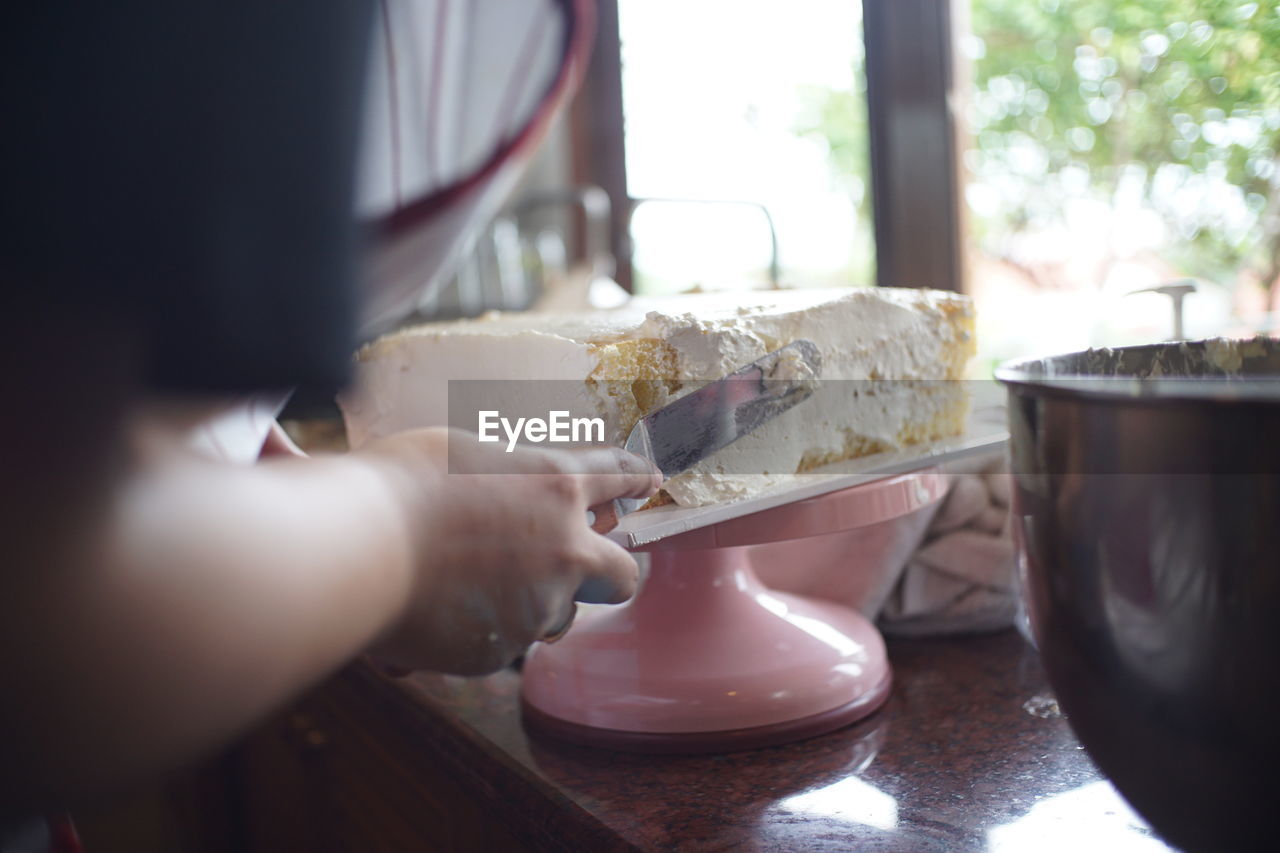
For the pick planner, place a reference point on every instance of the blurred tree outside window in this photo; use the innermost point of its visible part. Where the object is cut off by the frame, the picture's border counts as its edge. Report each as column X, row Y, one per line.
column 1112, row 145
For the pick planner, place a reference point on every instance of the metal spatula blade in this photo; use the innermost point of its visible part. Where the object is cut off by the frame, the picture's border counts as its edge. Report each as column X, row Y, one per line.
column 688, row 430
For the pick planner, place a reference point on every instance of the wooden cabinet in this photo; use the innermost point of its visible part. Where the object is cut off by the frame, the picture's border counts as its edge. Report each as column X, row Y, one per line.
column 337, row 773
column 362, row 764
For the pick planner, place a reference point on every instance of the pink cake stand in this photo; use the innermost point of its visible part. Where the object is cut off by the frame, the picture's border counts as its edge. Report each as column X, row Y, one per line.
column 705, row 658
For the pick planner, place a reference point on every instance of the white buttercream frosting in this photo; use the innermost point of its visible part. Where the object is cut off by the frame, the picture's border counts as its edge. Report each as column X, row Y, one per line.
column 861, row 334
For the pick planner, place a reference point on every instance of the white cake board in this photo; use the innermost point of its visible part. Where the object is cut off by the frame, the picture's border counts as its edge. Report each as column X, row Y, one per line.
column 986, row 432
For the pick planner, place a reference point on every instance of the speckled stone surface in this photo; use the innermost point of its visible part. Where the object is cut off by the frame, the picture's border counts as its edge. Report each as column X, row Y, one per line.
column 967, row 755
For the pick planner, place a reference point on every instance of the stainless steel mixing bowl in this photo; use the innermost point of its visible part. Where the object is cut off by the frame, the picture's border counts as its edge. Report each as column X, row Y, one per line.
column 1148, row 507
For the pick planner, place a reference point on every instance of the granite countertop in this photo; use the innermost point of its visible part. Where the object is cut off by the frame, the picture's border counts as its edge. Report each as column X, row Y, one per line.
column 969, row 754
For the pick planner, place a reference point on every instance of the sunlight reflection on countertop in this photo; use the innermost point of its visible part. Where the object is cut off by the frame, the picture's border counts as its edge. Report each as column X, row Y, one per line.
column 1093, row 816
column 850, row 799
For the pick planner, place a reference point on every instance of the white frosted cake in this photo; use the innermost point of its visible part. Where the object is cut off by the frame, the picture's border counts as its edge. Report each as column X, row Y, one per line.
column 623, row 363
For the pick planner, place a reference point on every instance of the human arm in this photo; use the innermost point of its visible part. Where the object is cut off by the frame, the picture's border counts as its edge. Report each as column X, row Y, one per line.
column 161, row 603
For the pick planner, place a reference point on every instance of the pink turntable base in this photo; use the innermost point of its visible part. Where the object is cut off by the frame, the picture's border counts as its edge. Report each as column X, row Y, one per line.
column 705, row 658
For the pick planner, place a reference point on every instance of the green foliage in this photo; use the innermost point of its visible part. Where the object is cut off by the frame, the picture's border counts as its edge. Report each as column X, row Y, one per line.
column 839, row 117
column 1174, row 104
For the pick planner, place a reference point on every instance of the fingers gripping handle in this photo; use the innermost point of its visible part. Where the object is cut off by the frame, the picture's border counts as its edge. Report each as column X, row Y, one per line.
column 602, row 518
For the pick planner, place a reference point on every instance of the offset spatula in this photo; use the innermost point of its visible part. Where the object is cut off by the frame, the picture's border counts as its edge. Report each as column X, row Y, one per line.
column 678, row 436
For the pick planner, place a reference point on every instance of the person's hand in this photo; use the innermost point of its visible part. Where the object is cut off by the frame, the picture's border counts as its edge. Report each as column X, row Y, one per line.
column 502, row 544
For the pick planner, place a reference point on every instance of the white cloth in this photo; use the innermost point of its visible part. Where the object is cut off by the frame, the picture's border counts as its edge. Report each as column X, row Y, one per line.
column 961, row 578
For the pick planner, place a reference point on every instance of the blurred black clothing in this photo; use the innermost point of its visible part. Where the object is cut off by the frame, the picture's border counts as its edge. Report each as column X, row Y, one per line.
column 188, row 166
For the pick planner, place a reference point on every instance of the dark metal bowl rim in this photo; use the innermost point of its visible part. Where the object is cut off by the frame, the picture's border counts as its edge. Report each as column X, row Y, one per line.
column 1123, row 379
column 1130, row 389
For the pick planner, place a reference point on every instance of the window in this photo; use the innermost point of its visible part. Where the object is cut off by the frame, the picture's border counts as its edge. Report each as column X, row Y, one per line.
column 729, row 104
column 1049, row 157
column 1116, row 145
column 819, row 110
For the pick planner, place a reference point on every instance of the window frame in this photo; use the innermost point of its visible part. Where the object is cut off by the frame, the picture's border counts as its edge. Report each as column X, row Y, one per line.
column 911, row 97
